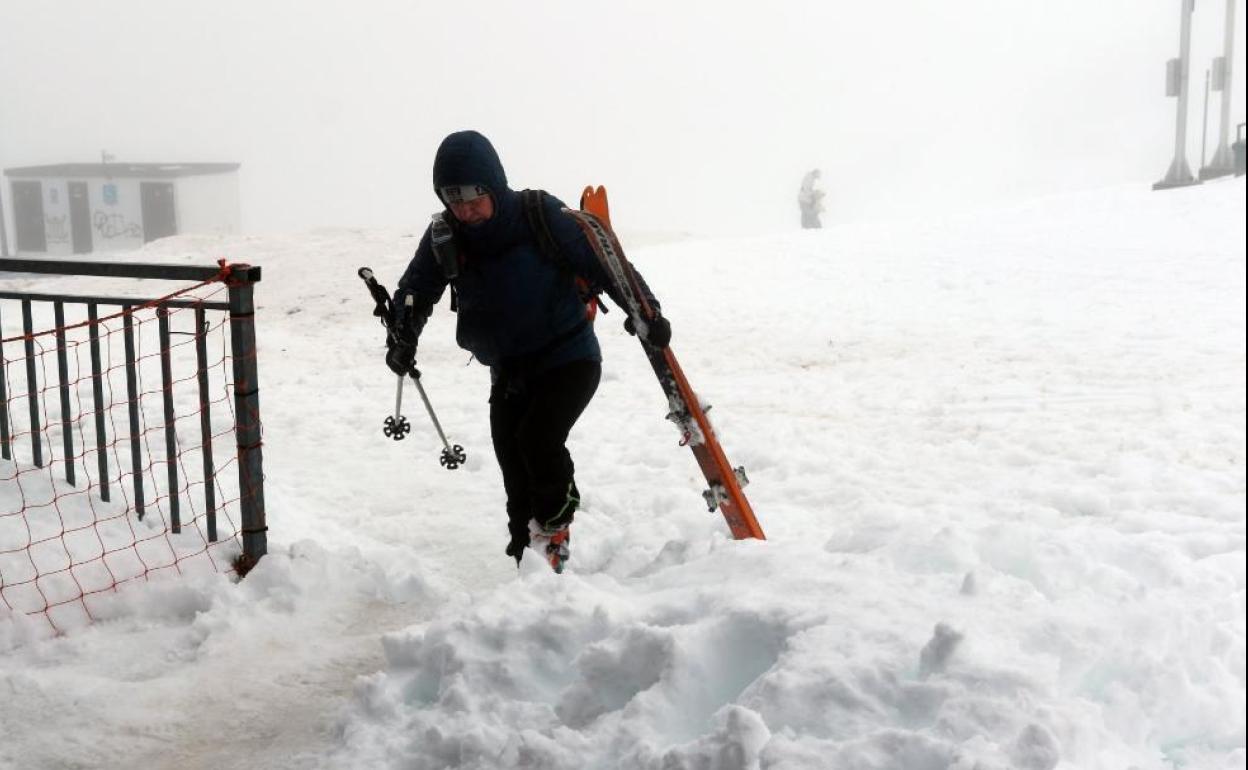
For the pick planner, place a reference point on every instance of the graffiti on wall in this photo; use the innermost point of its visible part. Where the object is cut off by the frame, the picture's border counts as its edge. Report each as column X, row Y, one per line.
column 115, row 226
column 56, row 229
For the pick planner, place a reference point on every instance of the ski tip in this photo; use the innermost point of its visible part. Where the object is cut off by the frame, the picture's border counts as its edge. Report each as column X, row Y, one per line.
column 594, row 200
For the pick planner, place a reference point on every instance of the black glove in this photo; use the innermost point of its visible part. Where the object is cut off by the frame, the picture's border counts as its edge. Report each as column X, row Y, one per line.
column 402, row 321
column 658, row 331
column 400, row 356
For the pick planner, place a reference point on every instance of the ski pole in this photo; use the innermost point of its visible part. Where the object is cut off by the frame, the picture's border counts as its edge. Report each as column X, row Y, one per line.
column 397, row 426
column 452, row 455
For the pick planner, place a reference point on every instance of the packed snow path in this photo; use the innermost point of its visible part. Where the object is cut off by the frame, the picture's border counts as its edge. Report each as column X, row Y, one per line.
column 999, row 458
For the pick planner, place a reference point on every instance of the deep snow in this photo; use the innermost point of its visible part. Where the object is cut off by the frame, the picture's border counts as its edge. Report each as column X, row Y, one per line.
column 999, row 459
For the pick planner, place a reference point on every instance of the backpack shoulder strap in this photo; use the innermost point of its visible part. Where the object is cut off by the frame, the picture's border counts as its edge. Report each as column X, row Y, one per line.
column 447, row 254
column 534, row 204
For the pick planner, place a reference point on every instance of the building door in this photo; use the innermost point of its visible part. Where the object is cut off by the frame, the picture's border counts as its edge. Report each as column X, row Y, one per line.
column 159, row 218
column 28, row 216
column 80, row 217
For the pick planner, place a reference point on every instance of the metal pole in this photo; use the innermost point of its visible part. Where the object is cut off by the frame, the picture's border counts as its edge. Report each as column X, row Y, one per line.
column 205, row 423
column 1223, row 162
column 1179, row 174
column 32, row 385
column 132, row 408
column 5, row 452
column 97, row 399
column 171, row 429
column 4, row 233
column 429, row 408
column 452, row 455
column 247, row 416
column 1204, row 122
column 62, row 373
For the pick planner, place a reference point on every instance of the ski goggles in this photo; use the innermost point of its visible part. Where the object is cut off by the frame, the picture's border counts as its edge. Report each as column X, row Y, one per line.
column 462, row 193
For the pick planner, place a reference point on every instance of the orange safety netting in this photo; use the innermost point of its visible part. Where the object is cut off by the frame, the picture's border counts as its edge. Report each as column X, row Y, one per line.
column 98, row 488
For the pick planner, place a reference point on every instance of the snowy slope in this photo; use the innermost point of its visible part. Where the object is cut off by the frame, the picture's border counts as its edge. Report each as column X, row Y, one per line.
column 1000, row 462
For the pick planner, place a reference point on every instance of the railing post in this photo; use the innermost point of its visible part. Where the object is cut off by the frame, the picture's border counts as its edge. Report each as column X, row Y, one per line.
column 241, row 282
column 32, row 386
column 205, row 423
column 62, row 373
column 5, row 453
column 132, row 408
column 97, row 399
column 171, row 428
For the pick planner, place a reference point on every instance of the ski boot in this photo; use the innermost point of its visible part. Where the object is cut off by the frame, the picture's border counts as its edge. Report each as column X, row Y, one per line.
column 553, row 546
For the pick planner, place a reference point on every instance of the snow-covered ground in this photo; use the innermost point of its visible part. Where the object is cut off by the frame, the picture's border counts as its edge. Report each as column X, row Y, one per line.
column 1000, row 460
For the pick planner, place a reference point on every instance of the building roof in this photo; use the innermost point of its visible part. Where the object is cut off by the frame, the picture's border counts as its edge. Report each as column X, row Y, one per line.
column 145, row 170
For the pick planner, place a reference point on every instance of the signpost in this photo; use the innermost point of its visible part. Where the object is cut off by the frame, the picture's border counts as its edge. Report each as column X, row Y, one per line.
column 1223, row 162
column 1179, row 174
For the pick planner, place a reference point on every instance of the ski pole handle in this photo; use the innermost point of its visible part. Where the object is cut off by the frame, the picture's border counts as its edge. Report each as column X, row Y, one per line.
column 370, row 280
column 379, row 294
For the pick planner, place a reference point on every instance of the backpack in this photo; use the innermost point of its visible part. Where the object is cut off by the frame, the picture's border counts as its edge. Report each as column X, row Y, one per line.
column 446, row 250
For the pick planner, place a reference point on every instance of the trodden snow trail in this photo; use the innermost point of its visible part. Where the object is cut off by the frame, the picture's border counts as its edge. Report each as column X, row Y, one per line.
column 256, row 675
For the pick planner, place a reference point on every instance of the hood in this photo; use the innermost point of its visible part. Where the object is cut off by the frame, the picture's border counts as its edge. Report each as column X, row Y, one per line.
column 467, row 157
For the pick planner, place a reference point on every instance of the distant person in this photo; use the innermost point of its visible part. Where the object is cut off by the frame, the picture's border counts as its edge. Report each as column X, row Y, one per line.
column 810, row 199
column 521, row 314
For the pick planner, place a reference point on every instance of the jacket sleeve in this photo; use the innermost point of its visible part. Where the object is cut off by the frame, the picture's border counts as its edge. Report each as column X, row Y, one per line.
column 424, row 281
column 584, row 262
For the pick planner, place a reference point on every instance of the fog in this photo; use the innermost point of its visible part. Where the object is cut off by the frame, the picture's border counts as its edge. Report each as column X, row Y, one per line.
column 699, row 116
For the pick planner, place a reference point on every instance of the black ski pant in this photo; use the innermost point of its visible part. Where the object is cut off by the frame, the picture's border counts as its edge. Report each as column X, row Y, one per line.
column 530, row 418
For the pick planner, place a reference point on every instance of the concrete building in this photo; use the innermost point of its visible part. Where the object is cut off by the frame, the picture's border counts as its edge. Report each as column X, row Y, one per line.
column 77, row 208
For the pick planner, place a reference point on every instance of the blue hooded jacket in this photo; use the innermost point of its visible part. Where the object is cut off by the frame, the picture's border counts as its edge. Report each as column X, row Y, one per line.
column 519, row 312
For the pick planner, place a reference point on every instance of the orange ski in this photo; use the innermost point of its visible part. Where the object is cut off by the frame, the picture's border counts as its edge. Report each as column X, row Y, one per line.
column 594, row 200
column 686, row 410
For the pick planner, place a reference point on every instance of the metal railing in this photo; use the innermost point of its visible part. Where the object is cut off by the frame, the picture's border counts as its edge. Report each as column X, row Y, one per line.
column 240, row 281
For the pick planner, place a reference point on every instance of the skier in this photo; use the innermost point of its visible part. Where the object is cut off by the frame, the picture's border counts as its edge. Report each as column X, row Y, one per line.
column 521, row 313
column 810, row 199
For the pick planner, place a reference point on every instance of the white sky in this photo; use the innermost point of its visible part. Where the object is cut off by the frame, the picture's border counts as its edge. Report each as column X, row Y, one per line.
column 698, row 115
